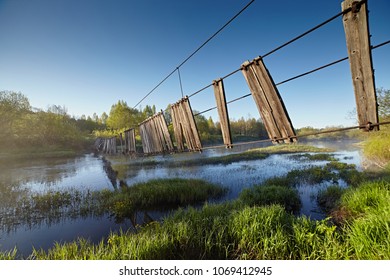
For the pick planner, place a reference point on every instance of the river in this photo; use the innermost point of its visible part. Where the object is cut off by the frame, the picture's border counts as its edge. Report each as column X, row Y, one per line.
column 93, row 172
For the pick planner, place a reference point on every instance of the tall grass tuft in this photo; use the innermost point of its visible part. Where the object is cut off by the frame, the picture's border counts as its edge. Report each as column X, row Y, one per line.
column 377, row 146
column 162, row 195
column 8, row 255
column 367, row 233
column 329, row 198
column 261, row 195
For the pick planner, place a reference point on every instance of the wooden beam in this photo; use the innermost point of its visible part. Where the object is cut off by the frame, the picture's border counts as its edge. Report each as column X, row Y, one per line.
column 359, row 52
column 268, row 101
column 219, row 92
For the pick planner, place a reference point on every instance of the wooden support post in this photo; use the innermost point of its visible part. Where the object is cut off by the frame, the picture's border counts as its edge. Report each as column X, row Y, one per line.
column 178, row 131
column 219, row 92
column 184, row 126
column 359, row 53
column 131, row 140
column 268, row 101
column 121, row 140
column 155, row 135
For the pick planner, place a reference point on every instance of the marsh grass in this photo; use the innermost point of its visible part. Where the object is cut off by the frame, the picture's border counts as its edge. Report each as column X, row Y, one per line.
column 315, row 157
column 8, row 255
column 238, row 230
column 331, row 172
column 377, row 146
column 161, row 195
column 225, row 231
column 32, row 209
column 261, row 195
column 54, row 205
column 368, row 224
column 252, row 154
column 329, row 198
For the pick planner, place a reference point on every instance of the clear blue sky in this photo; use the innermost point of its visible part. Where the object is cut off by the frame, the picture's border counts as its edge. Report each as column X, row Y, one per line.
column 88, row 54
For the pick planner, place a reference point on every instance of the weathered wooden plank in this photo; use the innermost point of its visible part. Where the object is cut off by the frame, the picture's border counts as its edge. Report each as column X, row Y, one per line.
column 129, row 140
column 197, row 144
column 178, row 131
column 164, row 129
column 359, row 52
column 220, row 98
column 184, row 126
column 268, row 101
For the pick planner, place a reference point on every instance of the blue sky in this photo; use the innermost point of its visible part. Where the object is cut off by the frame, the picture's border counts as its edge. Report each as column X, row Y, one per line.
column 88, row 54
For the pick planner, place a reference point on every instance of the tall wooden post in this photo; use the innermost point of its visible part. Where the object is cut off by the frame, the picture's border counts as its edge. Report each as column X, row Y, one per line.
column 219, row 92
column 355, row 20
column 269, row 102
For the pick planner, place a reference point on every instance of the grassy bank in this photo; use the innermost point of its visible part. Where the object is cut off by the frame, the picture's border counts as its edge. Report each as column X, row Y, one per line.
column 236, row 230
column 377, row 147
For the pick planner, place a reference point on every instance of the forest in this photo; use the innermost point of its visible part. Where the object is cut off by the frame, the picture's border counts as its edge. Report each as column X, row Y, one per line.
column 25, row 128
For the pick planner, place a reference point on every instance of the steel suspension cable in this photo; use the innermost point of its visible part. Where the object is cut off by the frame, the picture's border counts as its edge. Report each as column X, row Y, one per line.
column 197, row 50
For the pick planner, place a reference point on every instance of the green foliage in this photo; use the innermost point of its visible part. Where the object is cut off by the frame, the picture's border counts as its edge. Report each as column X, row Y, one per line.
column 377, row 146
column 27, row 130
column 368, row 223
column 161, row 195
column 268, row 194
column 329, row 198
column 123, row 117
column 383, row 99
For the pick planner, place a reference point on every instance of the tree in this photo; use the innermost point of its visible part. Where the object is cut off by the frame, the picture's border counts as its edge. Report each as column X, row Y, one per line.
column 13, row 107
column 123, row 117
column 383, row 99
column 103, row 118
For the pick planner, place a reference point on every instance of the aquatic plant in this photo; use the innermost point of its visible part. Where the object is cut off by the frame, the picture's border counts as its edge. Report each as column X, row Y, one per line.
column 261, row 195
column 329, row 198
column 161, row 195
column 8, row 255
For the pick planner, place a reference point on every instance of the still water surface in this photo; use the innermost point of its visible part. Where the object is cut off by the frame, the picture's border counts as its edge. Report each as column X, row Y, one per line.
column 94, row 173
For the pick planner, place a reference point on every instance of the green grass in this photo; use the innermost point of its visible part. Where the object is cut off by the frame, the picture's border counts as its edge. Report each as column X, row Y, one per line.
column 368, row 221
column 377, row 146
column 329, row 198
column 270, row 194
column 8, row 255
column 161, row 195
column 291, row 148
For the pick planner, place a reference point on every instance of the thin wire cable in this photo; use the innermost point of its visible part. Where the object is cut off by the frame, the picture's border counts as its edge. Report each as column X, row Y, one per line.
column 197, row 50
column 297, row 76
column 181, row 85
column 298, row 136
column 285, row 44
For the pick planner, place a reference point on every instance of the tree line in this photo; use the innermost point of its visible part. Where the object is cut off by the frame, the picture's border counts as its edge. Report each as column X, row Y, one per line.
column 24, row 127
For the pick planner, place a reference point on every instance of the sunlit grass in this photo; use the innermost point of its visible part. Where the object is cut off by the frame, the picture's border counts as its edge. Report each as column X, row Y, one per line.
column 262, row 195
